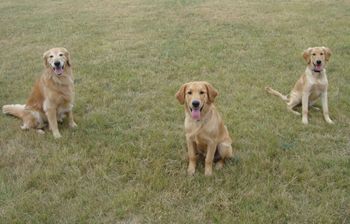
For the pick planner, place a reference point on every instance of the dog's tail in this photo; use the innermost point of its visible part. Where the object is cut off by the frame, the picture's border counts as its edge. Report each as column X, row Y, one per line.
column 16, row 110
column 276, row 93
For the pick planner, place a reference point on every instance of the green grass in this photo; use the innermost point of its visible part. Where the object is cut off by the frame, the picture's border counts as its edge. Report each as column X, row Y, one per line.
column 126, row 162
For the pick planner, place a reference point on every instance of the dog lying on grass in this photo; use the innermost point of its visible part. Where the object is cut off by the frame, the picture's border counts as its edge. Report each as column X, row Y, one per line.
column 206, row 133
column 311, row 86
column 52, row 96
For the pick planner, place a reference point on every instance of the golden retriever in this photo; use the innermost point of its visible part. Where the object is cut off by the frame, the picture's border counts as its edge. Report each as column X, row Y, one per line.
column 206, row 133
column 312, row 85
column 52, row 95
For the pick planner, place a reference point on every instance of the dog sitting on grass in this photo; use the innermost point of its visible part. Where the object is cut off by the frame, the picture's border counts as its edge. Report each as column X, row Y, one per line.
column 52, row 96
column 206, row 133
column 311, row 86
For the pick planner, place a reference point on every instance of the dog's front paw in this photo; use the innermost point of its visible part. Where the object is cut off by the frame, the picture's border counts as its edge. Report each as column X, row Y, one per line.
column 305, row 121
column 73, row 125
column 56, row 135
column 208, row 172
column 329, row 121
column 190, row 171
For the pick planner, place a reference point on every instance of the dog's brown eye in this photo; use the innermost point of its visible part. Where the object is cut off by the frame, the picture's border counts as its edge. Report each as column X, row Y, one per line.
column 321, row 53
column 51, row 56
column 314, row 54
column 61, row 55
column 201, row 92
column 189, row 93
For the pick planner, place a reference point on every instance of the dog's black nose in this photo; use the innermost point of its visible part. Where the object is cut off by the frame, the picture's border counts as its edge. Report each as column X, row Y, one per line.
column 318, row 62
column 57, row 63
column 195, row 103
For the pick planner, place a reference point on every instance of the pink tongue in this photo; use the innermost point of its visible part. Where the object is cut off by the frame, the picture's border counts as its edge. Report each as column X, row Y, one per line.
column 196, row 114
column 58, row 71
column 318, row 67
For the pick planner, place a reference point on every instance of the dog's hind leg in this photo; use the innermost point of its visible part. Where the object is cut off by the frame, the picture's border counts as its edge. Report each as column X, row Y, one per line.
column 291, row 104
column 311, row 105
column 24, row 126
column 29, row 121
column 40, row 131
column 224, row 151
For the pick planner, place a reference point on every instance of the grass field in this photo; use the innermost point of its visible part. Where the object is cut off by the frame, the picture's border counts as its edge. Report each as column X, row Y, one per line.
column 126, row 162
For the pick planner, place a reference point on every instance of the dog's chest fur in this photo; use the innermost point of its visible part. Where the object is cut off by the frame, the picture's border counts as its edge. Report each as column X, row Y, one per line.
column 317, row 83
column 58, row 95
column 200, row 131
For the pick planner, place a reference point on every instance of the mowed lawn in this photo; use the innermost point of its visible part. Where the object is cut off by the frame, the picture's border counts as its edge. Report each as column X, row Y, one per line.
column 126, row 162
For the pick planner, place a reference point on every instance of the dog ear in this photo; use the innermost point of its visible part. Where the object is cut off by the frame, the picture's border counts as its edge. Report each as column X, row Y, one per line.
column 67, row 55
column 45, row 56
column 212, row 92
column 306, row 55
column 327, row 52
column 180, row 95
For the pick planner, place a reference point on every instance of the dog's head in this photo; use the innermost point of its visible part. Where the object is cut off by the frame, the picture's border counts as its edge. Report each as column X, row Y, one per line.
column 197, row 97
column 317, row 57
column 57, row 60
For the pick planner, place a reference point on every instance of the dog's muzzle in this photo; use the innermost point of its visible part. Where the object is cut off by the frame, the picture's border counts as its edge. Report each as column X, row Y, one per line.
column 58, row 68
column 196, row 110
column 318, row 66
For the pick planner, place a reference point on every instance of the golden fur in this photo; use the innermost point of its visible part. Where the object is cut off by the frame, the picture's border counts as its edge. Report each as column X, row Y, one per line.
column 311, row 86
column 206, row 133
column 52, row 96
